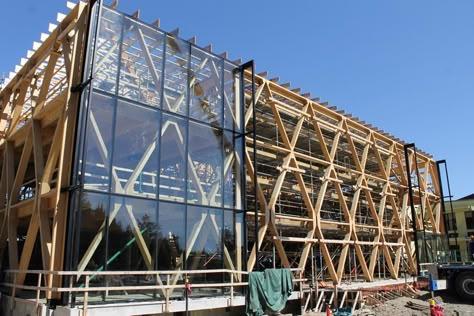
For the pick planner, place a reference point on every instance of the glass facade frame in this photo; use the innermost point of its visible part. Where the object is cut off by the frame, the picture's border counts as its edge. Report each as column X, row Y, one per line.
column 160, row 144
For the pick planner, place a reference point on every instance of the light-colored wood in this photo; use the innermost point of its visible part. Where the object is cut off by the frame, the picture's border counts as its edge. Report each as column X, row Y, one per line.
column 70, row 112
column 35, row 112
column 324, row 180
column 373, row 168
column 41, row 214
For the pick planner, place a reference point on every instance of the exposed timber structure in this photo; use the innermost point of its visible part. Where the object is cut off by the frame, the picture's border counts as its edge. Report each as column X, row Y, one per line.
column 39, row 110
column 328, row 179
column 129, row 150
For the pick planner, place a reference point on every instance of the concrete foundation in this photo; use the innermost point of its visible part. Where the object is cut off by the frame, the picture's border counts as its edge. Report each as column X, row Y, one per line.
column 196, row 307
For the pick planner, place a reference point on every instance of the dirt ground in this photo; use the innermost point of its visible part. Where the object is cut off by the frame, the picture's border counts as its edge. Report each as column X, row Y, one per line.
column 452, row 305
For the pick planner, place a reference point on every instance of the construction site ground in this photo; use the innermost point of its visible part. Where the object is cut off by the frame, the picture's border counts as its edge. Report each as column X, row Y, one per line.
column 399, row 306
column 452, row 305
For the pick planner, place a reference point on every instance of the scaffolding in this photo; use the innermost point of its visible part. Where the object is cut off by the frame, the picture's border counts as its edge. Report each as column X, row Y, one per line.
column 324, row 193
column 333, row 184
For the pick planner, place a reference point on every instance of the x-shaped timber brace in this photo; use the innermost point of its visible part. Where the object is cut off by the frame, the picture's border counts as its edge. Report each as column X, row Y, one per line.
column 47, row 118
column 380, row 187
column 128, row 188
column 38, row 121
column 37, row 125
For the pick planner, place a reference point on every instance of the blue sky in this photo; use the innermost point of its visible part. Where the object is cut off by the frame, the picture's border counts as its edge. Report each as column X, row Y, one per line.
column 404, row 66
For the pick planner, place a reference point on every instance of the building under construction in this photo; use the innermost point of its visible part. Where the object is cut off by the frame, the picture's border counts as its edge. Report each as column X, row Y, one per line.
column 143, row 172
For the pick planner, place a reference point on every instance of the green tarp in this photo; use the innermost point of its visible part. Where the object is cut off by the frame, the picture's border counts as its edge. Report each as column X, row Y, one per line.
column 268, row 290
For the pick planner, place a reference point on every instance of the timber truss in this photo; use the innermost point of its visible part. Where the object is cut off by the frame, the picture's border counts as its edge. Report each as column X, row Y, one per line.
column 327, row 182
column 330, row 181
column 37, row 129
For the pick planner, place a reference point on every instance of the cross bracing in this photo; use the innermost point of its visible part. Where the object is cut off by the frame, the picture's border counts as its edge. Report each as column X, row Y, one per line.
column 326, row 181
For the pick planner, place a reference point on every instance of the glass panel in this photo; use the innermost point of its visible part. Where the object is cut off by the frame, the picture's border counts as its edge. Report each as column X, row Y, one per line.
column 131, row 245
column 232, row 110
column 172, row 159
column 233, row 243
column 206, row 87
column 141, row 65
column 232, row 171
column 230, row 258
column 172, row 238
column 204, row 243
column 98, row 143
column 107, row 52
column 91, row 256
column 135, row 160
column 92, row 217
column 205, row 174
column 172, row 242
column 239, row 240
column 132, row 235
column 176, row 75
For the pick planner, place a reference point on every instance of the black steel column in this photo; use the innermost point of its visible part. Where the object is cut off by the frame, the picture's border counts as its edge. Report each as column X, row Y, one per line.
column 412, row 205
column 242, row 68
column 443, row 208
column 79, row 136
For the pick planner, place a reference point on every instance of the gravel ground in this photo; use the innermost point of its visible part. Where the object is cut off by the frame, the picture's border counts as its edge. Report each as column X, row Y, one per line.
column 453, row 306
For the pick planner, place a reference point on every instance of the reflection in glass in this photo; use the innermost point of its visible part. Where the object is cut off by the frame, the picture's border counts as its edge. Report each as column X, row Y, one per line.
column 98, row 143
column 141, row 64
column 176, row 75
column 133, row 229
column 171, row 236
column 204, row 246
column 206, row 87
column 231, row 105
column 229, row 241
column 138, row 147
column 233, row 241
column 205, row 174
column 108, row 43
column 135, row 160
column 172, row 160
column 232, row 171
column 92, row 225
column 92, row 221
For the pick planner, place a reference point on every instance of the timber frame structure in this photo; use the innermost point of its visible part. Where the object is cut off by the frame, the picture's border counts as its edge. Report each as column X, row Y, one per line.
column 329, row 179
column 39, row 109
column 325, row 184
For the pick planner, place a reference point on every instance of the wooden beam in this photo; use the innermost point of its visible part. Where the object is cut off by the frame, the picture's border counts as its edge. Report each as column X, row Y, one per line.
column 42, row 214
column 70, row 113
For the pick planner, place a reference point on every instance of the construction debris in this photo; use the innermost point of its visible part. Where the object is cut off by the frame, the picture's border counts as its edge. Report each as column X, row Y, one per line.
column 409, row 306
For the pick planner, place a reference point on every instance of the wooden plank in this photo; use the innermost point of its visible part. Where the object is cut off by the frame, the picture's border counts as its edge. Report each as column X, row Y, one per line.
column 17, row 106
column 21, row 170
column 249, row 112
column 356, row 300
column 360, row 255
column 46, row 80
column 12, row 240
column 281, row 127
column 28, row 247
column 378, row 148
column 12, row 219
column 43, row 216
column 4, row 192
column 65, row 157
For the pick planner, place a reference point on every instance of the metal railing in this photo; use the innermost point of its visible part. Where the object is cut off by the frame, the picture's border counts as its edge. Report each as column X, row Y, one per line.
column 164, row 281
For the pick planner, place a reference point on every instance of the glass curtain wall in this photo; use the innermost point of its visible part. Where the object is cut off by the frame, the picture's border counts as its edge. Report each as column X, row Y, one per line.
column 160, row 166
